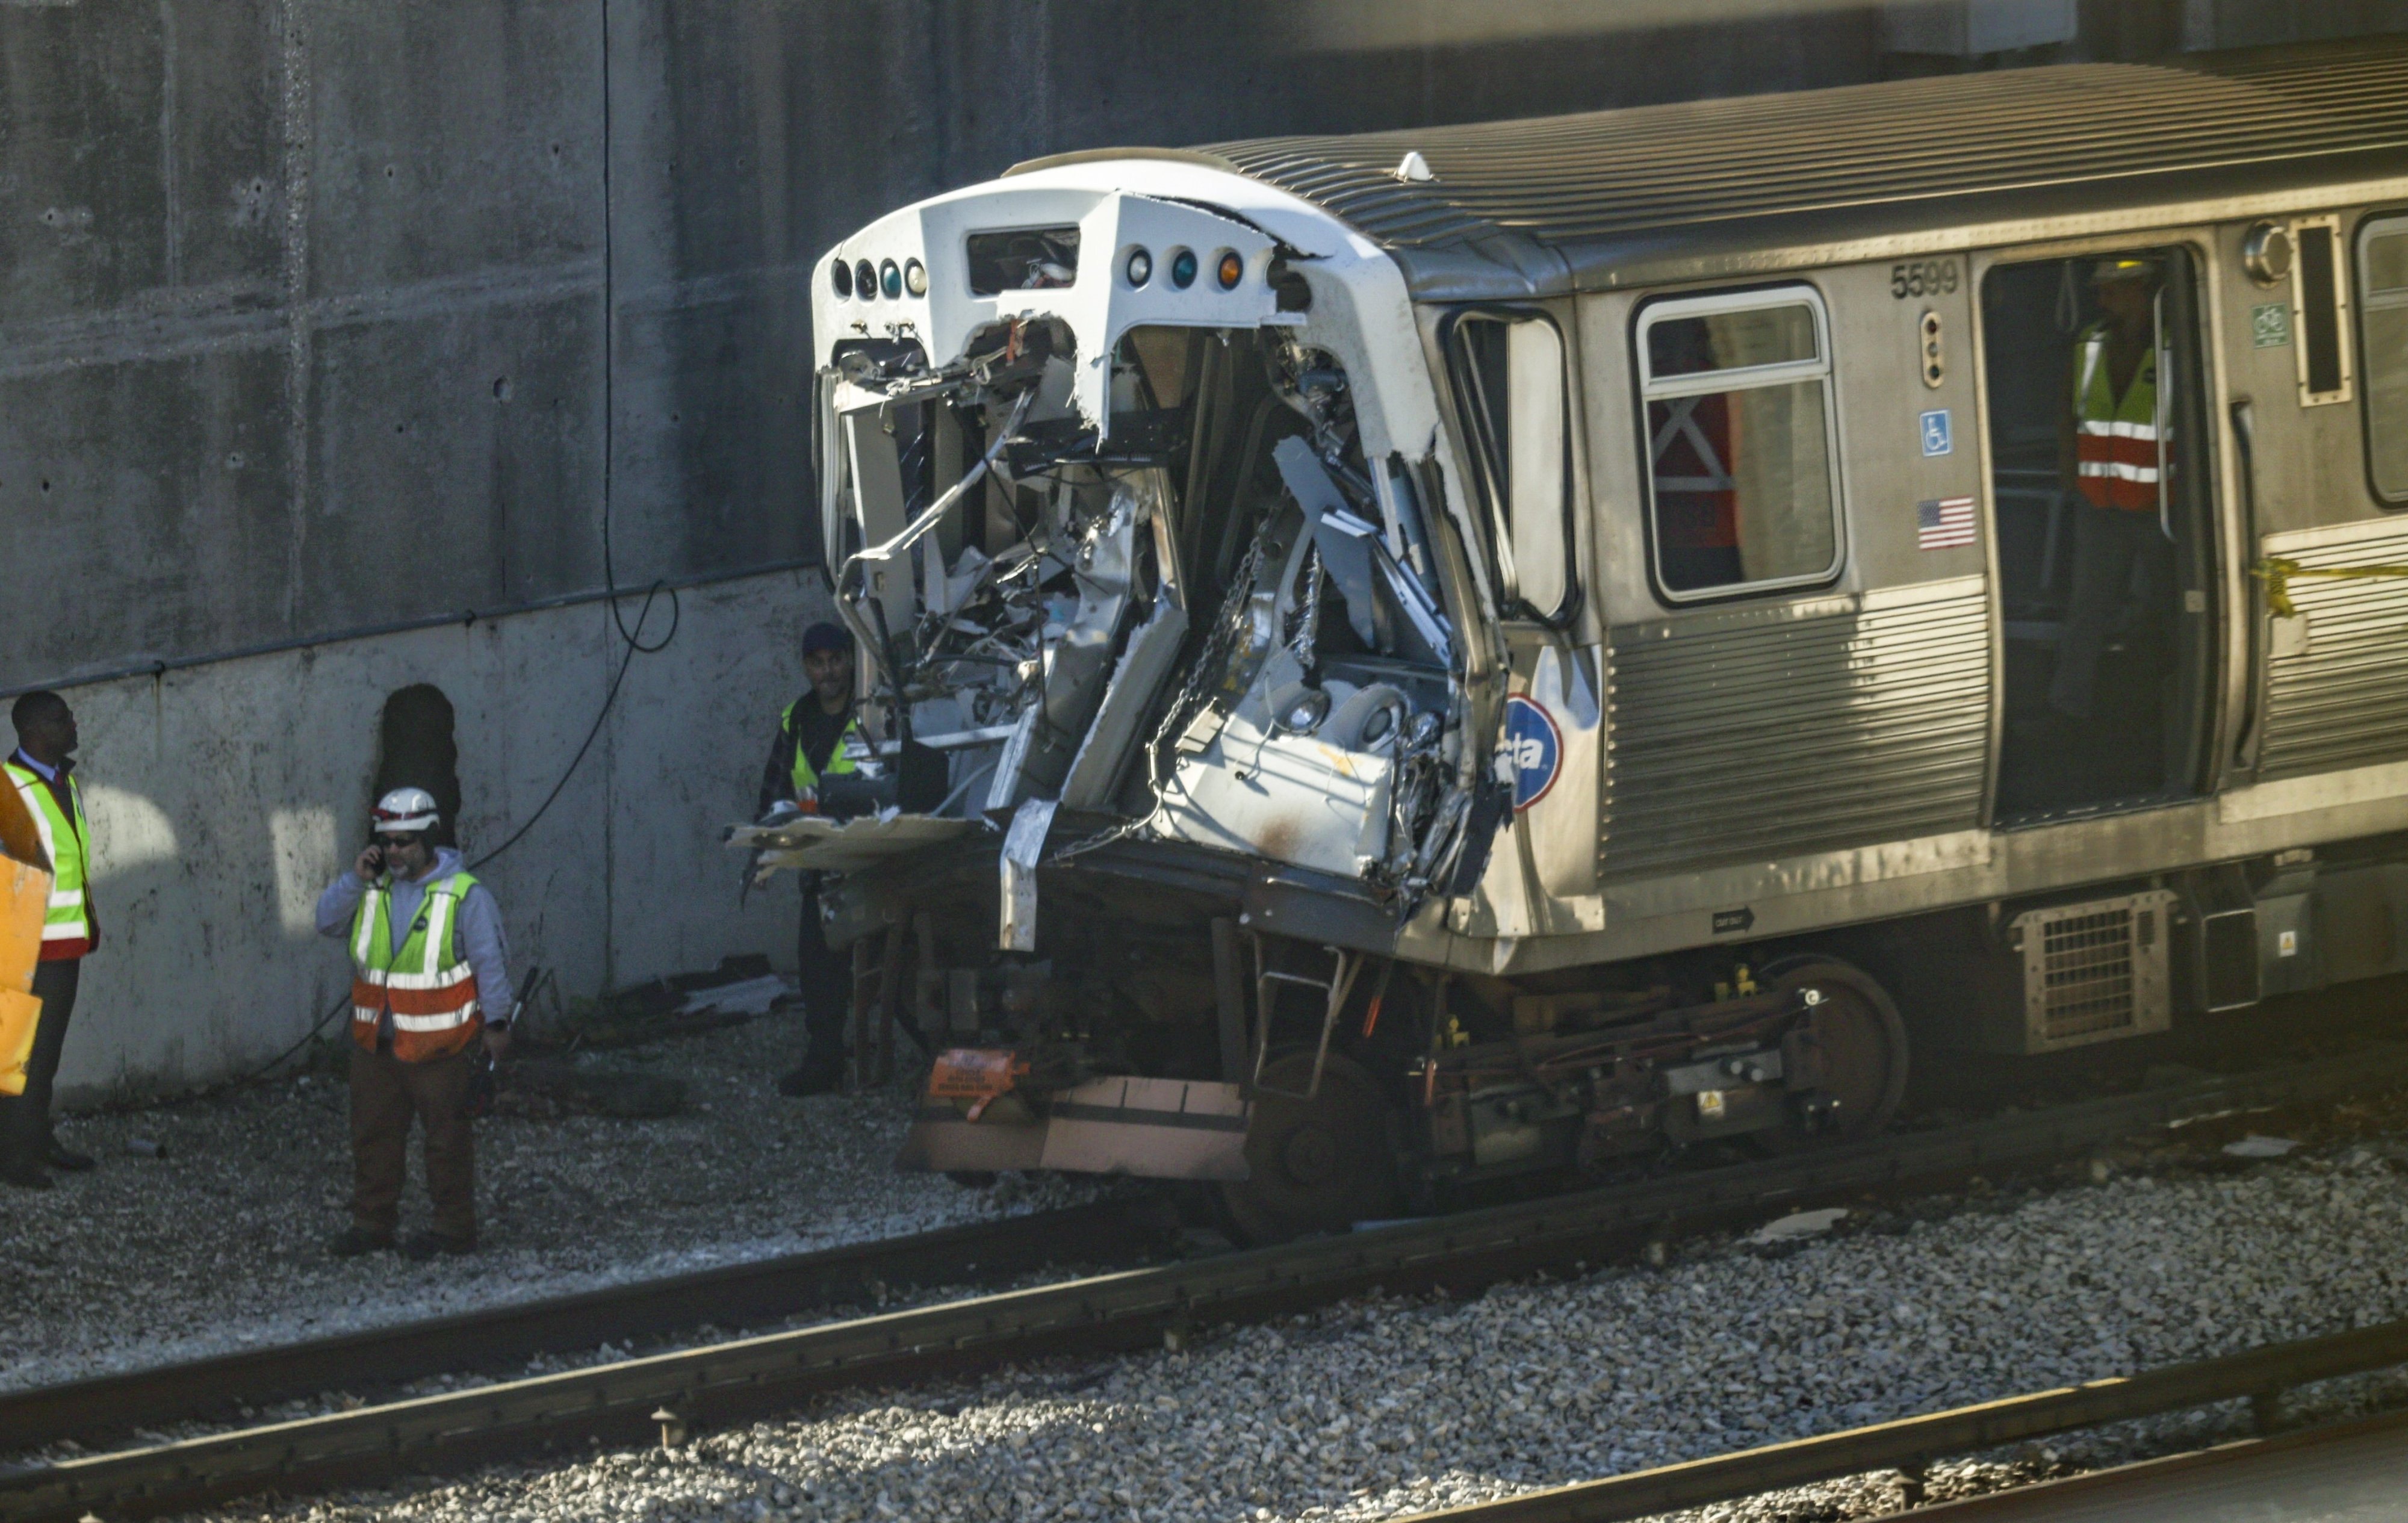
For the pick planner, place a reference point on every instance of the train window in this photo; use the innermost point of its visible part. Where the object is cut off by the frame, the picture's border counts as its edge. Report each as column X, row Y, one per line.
column 1742, row 462
column 2382, row 323
column 1508, row 372
column 1024, row 259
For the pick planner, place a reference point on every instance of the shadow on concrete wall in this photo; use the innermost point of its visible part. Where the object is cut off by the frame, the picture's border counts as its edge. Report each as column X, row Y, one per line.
column 416, row 749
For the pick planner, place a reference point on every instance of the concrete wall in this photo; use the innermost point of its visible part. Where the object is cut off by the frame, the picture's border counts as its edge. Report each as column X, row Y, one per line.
column 318, row 316
column 225, row 797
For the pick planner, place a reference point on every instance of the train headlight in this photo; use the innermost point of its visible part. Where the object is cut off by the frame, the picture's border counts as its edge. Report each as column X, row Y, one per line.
column 840, row 275
column 1183, row 268
column 865, row 281
column 1139, row 267
column 1232, row 270
column 890, row 280
column 915, row 277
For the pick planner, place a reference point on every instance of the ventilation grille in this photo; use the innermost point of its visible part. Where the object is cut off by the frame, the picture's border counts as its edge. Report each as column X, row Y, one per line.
column 2086, row 975
column 2093, row 971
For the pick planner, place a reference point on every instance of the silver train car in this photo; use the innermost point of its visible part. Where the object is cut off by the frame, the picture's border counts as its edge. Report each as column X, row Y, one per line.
column 1470, row 655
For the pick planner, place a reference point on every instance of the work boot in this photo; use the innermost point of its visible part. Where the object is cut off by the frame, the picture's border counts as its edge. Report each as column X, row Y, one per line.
column 25, row 1173
column 59, row 1156
column 355, row 1240
column 423, row 1246
column 819, row 1075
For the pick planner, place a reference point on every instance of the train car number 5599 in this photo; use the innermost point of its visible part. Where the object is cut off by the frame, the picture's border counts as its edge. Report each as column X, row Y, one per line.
column 1924, row 277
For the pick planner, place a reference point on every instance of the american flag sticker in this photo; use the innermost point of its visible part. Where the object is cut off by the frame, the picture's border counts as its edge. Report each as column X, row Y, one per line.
column 1943, row 524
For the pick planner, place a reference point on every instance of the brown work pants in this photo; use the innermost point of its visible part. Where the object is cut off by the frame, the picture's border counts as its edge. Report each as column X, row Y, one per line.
column 386, row 1095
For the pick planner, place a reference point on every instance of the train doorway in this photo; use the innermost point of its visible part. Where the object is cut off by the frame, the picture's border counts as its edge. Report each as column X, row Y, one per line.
column 2105, row 532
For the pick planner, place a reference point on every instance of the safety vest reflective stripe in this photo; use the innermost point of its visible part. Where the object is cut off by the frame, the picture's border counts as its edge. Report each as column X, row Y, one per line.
column 2117, row 440
column 433, row 1000
column 67, row 844
column 841, row 761
column 430, row 1023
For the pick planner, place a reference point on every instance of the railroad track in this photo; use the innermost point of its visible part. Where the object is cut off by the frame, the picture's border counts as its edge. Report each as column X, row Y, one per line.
column 2259, row 1375
column 503, row 1338
column 622, row 1401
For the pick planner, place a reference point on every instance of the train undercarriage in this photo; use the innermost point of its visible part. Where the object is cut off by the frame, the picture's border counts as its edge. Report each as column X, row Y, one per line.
column 1156, row 1030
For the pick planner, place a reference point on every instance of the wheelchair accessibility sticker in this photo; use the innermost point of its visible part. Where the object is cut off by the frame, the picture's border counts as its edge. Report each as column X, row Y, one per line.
column 1536, row 748
column 1935, row 433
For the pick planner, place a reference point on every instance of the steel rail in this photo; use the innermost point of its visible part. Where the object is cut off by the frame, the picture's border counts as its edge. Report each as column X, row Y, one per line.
column 504, row 1337
column 2257, row 1374
column 2229, row 1467
column 1120, row 1311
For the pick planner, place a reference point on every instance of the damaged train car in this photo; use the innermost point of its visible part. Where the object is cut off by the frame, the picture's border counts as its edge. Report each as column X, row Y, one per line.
column 1471, row 655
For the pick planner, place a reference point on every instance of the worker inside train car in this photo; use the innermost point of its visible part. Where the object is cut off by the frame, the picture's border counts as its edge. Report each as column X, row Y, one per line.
column 2109, row 451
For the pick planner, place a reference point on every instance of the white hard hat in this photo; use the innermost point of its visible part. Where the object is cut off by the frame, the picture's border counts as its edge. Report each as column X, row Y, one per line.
column 405, row 810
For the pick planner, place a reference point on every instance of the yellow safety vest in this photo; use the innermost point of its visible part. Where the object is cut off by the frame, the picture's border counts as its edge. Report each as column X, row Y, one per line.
column 840, row 760
column 430, row 989
column 66, row 839
column 2117, row 438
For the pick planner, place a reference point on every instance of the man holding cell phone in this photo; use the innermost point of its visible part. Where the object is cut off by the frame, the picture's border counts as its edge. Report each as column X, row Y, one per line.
column 430, row 984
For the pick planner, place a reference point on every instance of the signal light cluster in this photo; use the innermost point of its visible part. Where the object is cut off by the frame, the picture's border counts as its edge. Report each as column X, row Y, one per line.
column 1229, row 268
column 870, row 281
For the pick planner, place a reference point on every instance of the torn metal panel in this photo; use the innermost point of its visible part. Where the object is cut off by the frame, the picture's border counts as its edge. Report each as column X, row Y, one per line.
column 1103, row 758
column 1024, row 845
column 1289, row 798
column 876, row 478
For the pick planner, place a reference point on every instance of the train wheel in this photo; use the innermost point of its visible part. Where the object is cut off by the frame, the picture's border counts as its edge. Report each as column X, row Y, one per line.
column 1317, row 1165
column 1864, row 1051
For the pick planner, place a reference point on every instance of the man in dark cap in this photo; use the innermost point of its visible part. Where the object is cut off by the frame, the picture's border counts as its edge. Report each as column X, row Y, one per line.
column 817, row 736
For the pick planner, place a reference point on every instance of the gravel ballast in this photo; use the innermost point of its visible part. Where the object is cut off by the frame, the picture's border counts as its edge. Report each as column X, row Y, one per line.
column 220, row 1245
column 1388, row 1406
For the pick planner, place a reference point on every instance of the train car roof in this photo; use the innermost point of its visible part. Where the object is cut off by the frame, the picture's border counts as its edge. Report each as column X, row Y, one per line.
column 1548, row 204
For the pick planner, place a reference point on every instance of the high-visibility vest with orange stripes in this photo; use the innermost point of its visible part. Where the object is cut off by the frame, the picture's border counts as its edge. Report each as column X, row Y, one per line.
column 2117, row 440
column 429, row 987
column 66, row 927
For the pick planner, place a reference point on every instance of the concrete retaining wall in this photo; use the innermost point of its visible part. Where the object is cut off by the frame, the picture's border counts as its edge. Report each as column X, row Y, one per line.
column 225, row 797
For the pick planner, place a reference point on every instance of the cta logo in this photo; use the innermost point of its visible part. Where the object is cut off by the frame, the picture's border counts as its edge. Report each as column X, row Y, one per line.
column 1535, row 749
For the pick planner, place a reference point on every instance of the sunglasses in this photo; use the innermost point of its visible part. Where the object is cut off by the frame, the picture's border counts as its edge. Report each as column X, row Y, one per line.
column 395, row 842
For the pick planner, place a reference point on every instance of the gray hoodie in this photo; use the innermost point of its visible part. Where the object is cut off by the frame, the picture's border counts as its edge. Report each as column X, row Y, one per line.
column 477, row 933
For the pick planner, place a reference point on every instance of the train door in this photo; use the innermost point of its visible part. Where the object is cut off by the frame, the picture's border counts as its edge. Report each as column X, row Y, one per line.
column 2104, row 522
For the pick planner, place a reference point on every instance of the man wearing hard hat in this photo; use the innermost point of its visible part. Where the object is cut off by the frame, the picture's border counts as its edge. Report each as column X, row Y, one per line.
column 430, row 984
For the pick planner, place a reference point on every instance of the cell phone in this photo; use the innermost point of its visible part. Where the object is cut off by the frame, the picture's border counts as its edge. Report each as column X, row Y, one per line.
column 376, row 858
